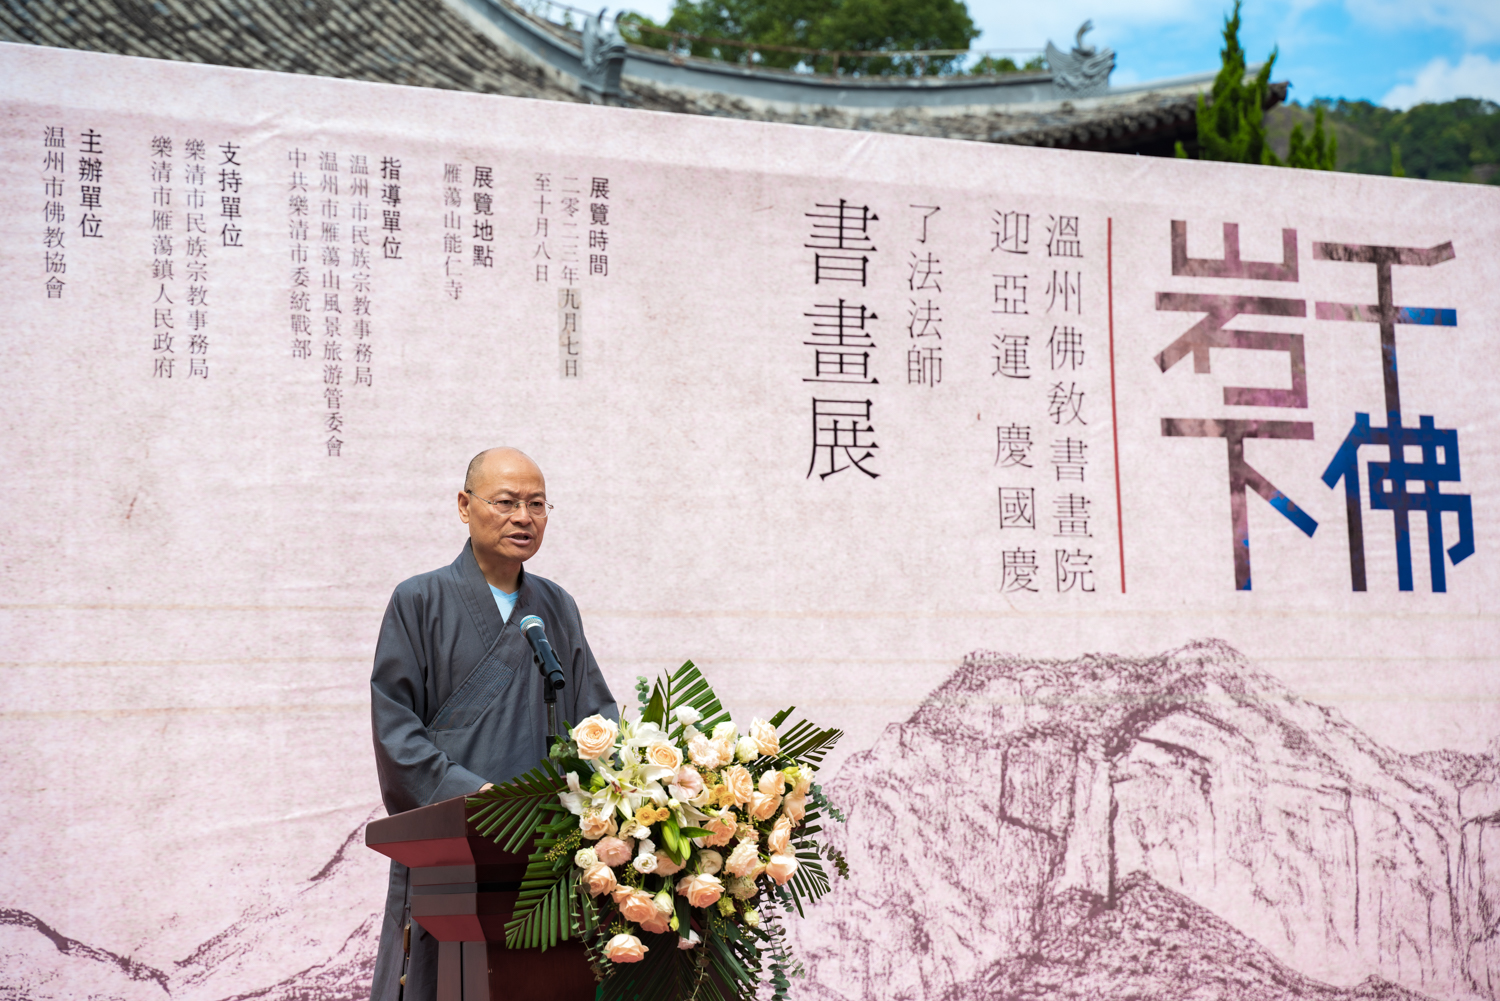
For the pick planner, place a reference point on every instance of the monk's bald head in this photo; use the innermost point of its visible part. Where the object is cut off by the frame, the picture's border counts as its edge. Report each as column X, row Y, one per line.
column 502, row 454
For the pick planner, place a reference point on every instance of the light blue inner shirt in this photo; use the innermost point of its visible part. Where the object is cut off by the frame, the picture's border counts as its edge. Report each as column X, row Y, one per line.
column 505, row 602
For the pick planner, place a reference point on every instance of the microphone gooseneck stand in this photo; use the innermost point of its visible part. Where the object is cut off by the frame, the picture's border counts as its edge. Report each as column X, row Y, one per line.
column 549, row 695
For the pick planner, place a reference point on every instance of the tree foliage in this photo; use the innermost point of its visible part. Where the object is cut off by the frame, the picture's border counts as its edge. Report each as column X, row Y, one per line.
column 1320, row 152
column 843, row 25
column 1005, row 64
column 1452, row 141
column 1231, row 118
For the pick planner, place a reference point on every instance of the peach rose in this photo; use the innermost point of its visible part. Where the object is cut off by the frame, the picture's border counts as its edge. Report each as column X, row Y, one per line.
column 658, row 923
column 780, row 839
column 781, row 868
column 594, row 827
column 613, row 851
column 599, row 878
column 625, row 949
column 772, row 783
column 746, row 856
column 704, row 753
column 740, row 785
column 794, row 807
column 637, row 906
column 665, row 866
column 723, row 829
column 764, row 735
column 724, row 748
column 664, row 756
column 700, row 891
column 595, row 736
column 762, row 806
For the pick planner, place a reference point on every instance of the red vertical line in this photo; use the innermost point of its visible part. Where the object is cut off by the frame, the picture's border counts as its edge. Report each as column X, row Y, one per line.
column 1114, row 414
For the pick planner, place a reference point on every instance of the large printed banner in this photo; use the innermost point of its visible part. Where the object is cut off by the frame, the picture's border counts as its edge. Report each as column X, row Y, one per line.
column 1135, row 518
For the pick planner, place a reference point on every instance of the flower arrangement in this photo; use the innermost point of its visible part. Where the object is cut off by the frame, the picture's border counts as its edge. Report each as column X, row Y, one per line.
column 672, row 844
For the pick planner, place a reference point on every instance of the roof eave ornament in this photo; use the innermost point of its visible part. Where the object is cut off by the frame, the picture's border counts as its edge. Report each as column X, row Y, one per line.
column 1084, row 72
column 603, row 54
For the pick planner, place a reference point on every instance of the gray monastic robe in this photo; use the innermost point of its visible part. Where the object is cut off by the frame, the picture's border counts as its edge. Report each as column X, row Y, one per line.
column 457, row 702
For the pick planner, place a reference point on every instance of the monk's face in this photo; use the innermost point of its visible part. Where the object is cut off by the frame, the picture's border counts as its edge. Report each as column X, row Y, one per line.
column 513, row 537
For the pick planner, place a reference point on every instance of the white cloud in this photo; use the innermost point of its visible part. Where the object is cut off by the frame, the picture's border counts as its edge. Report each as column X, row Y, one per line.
column 1478, row 21
column 1474, row 76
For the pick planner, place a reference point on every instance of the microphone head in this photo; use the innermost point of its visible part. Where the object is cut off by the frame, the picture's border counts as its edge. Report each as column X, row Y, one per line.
column 531, row 622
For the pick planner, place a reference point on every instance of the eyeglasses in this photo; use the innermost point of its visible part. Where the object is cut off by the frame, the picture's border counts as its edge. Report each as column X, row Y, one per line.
column 505, row 506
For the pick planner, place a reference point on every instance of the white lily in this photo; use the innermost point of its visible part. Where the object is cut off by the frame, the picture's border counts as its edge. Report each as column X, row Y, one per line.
column 575, row 798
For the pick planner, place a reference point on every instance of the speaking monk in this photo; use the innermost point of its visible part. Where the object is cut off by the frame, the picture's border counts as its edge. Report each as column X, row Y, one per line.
column 455, row 700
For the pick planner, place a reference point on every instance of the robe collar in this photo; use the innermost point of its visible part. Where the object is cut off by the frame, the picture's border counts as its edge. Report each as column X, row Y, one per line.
column 480, row 600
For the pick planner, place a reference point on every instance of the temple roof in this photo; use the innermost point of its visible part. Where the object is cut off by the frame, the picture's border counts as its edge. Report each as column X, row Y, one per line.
column 496, row 47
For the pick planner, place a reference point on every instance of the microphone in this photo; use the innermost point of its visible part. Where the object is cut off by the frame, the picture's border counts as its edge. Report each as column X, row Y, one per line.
column 531, row 627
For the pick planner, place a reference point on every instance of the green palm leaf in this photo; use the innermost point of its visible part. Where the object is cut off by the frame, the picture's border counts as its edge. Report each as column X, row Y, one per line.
column 805, row 742
column 511, row 812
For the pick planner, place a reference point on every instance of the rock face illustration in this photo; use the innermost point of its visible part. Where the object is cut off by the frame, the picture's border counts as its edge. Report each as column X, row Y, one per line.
column 313, row 945
column 1174, row 826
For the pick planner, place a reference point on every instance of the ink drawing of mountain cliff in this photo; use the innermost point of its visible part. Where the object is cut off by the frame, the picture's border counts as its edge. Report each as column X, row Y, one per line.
column 1171, row 827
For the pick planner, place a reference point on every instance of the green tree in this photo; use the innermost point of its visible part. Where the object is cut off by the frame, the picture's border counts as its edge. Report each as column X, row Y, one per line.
column 844, row 25
column 1231, row 120
column 1321, row 152
column 1005, row 64
column 1452, row 141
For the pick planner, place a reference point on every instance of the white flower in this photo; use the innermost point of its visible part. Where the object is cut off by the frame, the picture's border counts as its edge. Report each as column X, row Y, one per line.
column 575, row 798
column 644, row 863
column 703, row 752
column 646, row 733
column 690, row 942
column 687, row 715
column 741, row 887
column 632, row 829
column 745, row 750
column 752, row 917
column 585, row 857
column 725, row 729
column 710, row 862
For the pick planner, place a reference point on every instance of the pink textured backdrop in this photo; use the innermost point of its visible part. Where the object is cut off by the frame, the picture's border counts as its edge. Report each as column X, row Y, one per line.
column 190, row 583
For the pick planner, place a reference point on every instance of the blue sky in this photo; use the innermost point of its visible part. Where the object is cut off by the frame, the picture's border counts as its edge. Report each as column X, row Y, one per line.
column 1395, row 52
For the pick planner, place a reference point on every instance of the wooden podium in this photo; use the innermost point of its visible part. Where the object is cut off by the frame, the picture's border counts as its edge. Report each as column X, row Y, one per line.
column 463, row 888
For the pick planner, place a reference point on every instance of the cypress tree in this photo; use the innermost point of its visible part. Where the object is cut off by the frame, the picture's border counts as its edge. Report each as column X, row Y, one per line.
column 1231, row 120
column 1317, row 153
